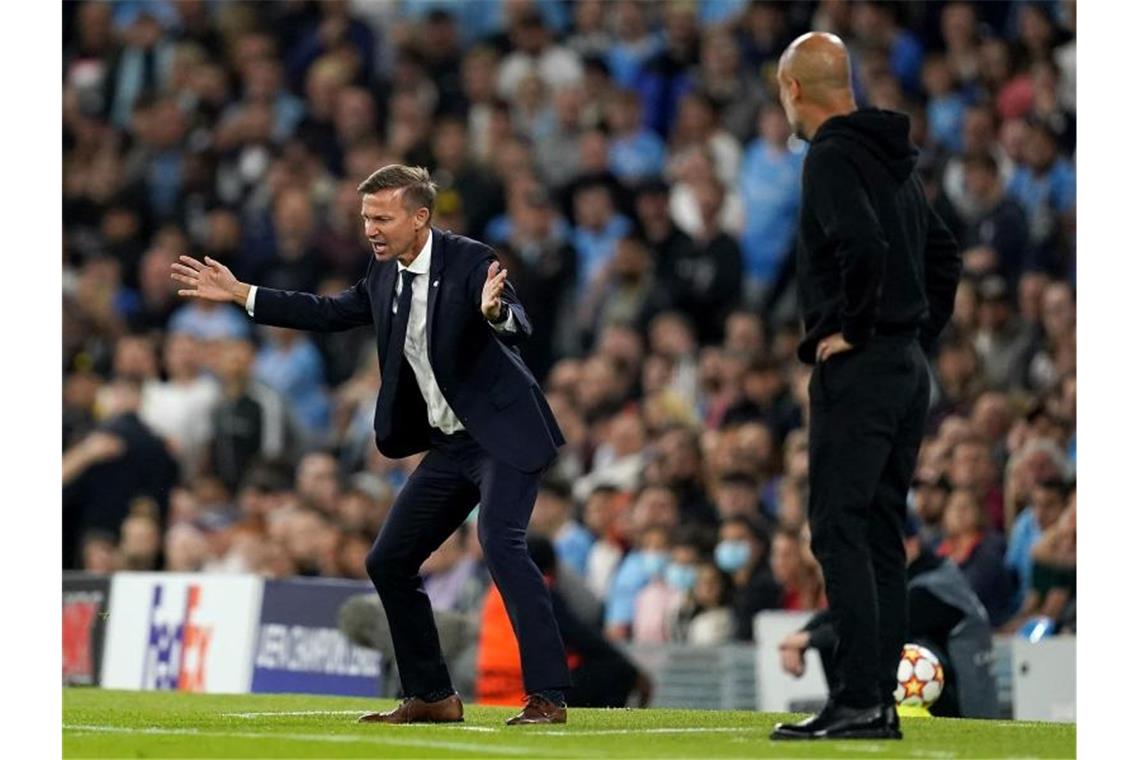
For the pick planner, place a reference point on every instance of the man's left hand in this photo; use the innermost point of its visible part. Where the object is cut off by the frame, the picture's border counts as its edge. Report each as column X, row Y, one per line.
column 792, row 652
column 492, row 290
column 830, row 346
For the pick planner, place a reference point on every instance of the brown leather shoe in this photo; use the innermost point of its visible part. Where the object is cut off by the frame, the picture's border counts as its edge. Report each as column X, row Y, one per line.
column 415, row 710
column 539, row 710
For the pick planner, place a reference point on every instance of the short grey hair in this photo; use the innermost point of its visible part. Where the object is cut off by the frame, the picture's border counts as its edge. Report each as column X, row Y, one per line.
column 414, row 181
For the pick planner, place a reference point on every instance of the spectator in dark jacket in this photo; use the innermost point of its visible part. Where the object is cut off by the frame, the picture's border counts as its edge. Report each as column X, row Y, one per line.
column 707, row 279
column 544, row 266
column 979, row 552
column 742, row 552
column 118, row 462
column 252, row 420
column 996, row 239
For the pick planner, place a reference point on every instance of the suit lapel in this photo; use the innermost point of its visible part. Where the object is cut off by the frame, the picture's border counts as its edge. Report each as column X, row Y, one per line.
column 386, row 292
column 438, row 261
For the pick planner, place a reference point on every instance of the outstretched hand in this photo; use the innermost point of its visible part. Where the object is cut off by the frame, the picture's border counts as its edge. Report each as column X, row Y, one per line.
column 492, row 292
column 210, row 281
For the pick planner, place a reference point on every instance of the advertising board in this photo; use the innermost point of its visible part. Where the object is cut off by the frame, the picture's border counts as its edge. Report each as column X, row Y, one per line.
column 85, row 609
column 299, row 648
column 190, row 632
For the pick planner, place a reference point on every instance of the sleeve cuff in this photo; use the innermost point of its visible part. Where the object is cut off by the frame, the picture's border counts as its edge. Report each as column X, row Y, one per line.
column 249, row 300
column 508, row 324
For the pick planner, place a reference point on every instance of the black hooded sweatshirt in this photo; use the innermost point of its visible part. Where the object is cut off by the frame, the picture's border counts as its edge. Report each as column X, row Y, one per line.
column 872, row 257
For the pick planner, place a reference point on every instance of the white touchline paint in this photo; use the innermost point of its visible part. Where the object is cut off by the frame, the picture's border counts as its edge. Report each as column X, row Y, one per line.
column 496, row 749
column 507, row 729
column 871, row 749
column 878, row 749
column 302, row 713
column 291, row 713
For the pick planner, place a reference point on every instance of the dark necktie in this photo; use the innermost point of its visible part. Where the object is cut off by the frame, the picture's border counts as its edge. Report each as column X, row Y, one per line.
column 397, row 331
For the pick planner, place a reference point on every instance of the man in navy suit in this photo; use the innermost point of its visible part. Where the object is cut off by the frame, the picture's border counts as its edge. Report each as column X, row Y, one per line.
column 452, row 383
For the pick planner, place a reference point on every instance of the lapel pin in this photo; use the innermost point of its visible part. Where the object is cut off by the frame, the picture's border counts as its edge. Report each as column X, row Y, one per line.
column 435, row 284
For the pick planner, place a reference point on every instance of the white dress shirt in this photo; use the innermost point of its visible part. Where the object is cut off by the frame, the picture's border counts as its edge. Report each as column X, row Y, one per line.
column 440, row 414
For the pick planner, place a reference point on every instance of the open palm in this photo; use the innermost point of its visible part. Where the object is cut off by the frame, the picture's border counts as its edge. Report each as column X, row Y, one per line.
column 493, row 291
column 211, row 280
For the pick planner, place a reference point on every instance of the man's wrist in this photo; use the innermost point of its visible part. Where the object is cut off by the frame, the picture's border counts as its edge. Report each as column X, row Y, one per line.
column 241, row 294
column 501, row 317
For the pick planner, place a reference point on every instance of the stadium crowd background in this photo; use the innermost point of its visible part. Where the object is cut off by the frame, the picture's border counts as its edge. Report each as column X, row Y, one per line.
column 632, row 165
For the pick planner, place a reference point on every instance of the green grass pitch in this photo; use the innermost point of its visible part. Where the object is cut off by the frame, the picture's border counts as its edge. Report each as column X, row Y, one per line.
column 99, row 723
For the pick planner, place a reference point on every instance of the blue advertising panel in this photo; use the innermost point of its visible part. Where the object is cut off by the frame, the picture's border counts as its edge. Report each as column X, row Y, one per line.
column 299, row 648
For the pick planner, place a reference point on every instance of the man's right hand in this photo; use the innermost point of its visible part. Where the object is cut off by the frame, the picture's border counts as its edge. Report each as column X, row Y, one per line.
column 212, row 280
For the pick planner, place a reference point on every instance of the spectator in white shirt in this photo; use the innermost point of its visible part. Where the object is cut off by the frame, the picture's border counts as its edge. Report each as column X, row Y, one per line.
column 601, row 515
column 535, row 53
column 179, row 409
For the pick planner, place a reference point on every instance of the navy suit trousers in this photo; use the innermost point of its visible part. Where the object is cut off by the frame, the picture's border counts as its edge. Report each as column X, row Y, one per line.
column 454, row 476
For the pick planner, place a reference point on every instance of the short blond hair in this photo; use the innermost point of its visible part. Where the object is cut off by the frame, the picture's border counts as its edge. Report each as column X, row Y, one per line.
column 414, row 181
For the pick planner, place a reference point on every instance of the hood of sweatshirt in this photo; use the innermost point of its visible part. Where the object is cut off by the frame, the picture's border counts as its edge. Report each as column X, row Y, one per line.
column 884, row 134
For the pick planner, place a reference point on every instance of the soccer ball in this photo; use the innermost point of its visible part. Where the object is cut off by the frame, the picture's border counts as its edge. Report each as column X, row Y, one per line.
column 920, row 677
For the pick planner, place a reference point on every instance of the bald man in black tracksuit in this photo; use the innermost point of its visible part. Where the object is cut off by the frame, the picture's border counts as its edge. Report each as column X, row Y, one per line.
column 876, row 271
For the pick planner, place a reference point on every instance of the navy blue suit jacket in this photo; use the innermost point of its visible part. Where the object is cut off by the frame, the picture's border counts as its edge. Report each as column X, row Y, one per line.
column 479, row 370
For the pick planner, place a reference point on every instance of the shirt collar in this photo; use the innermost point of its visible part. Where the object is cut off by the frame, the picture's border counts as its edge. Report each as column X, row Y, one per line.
column 421, row 264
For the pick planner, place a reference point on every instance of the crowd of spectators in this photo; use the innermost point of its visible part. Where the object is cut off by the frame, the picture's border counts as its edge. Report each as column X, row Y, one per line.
column 632, row 166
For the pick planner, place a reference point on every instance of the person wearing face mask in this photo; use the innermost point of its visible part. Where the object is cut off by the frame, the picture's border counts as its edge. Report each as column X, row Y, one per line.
column 641, row 567
column 672, row 578
column 705, row 616
column 653, row 563
column 681, row 577
column 654, row 518
column 742, row 552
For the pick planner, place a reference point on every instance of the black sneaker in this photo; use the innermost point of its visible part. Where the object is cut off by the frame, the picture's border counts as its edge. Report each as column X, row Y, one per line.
column 838, row 722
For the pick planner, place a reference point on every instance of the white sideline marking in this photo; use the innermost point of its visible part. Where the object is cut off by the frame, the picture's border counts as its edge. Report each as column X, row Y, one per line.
column 638, row 731
column 871, row 749
column 487, row 729
column 877, row 749
column 496, row 749
column 291, row 713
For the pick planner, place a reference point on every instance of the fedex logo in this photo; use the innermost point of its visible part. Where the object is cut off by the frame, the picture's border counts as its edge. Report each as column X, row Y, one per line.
column 177, row 644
